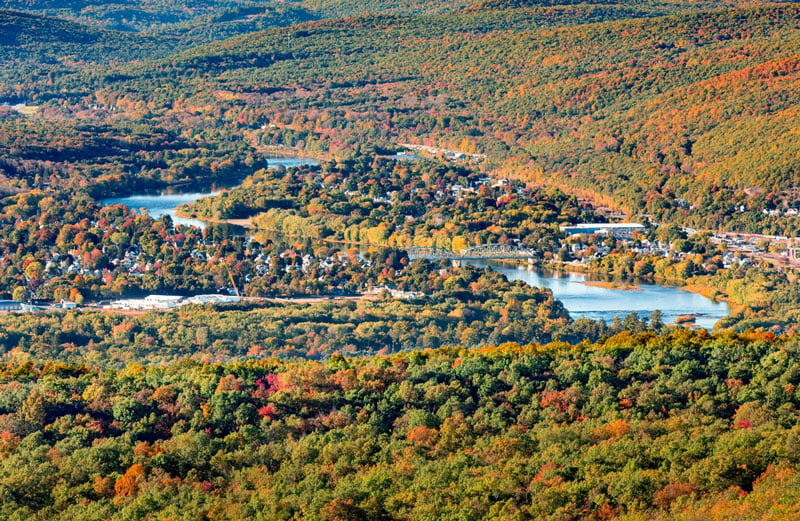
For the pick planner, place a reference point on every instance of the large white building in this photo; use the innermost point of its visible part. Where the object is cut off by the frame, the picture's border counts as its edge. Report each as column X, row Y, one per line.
column 10, row 305
column 162, row 302
column 13, row 305
column 619, row 230
column 150, row 302
column 212, row 299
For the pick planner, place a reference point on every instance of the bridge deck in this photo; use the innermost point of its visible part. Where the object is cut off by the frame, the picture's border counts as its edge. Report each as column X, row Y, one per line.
column 482, row 252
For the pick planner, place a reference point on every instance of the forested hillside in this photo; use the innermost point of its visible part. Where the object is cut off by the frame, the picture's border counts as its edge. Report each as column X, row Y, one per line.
column 44, row 40
column 339, row 371
column 654, row 115
column 681, row 427
column 127, row 15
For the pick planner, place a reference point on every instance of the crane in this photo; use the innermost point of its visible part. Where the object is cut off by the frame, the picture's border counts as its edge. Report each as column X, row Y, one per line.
column 233, row 283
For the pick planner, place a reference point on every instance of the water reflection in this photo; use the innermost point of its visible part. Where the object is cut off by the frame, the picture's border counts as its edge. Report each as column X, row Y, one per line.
column 604, row 303
column 168, row 201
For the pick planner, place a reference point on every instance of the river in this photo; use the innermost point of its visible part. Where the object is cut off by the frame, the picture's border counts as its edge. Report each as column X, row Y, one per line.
column 168, row 201
column 604, row 303
column 580, row 299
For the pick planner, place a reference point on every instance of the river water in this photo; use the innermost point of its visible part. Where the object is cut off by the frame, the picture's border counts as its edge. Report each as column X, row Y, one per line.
column 580, row 299
column 604, row 303
column 167, row 202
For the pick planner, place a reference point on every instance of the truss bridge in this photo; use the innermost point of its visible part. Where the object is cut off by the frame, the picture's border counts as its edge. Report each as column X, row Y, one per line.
column 483, row 251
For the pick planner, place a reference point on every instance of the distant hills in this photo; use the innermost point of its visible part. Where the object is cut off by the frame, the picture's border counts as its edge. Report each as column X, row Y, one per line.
column 125, row 15
column 676, row 110
column 34, row 38
column 219, row 18
column 194, row 22
column 198, row 21
column 690, row 117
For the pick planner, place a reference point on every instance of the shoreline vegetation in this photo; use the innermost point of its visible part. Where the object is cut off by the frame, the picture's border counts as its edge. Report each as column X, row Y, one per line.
column 611, row 285
column 314, row 222
column 334, row 235
column 552, row 265
column 347, row 381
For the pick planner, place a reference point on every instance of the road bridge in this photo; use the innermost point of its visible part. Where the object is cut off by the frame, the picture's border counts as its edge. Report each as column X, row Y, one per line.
column 480, row 252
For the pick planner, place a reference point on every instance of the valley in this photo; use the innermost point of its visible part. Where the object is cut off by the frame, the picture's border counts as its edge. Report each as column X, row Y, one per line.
column 522, row 260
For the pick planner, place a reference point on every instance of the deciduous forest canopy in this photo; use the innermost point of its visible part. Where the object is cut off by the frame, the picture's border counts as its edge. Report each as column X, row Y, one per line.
column 347, row 379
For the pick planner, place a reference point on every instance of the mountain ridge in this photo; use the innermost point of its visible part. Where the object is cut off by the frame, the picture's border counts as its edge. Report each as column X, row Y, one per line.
column 608, row 103
column 564, row 100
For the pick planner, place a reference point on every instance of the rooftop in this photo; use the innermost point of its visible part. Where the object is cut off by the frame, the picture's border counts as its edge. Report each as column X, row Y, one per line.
column 163, row 298
column 592, row 226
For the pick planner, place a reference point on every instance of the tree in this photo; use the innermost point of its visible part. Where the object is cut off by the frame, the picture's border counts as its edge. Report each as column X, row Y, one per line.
column 128, row 484
column 20, row 294
column 34, row 270
column 656, row 320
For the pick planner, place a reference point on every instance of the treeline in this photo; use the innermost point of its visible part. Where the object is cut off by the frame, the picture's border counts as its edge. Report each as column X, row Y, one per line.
column 460, row 306
column 372, row 199
column 116, row 158
column 684, row 426
column 592, row 108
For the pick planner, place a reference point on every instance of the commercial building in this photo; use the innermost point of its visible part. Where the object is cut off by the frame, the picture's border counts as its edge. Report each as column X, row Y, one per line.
column 10, row 305
column 163, row 302
column 212, row 299
column 618, row 230
column 149, row 303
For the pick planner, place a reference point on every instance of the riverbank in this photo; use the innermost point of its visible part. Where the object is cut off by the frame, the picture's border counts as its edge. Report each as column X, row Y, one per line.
column 599, row 300
column 708, row 292
column 170, row 199
column 582, row 296
column 243, row 223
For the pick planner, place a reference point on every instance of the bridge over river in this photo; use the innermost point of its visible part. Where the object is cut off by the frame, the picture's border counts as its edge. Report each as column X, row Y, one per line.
column 480, row 252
